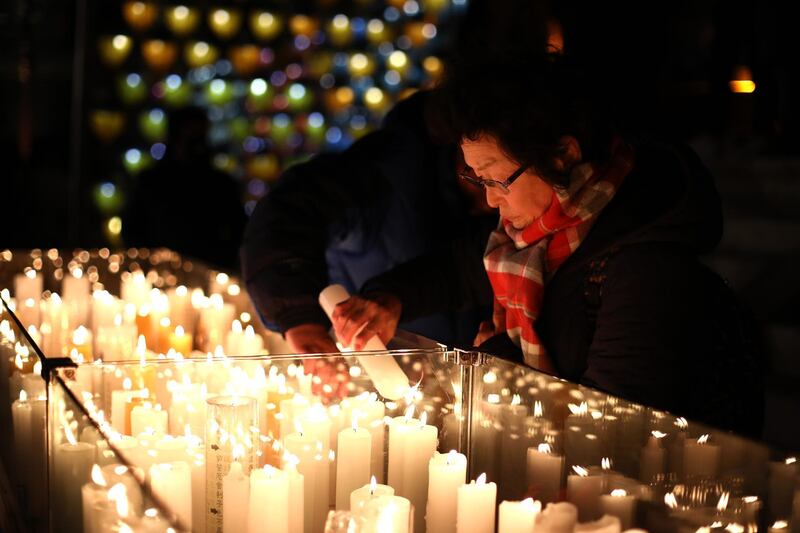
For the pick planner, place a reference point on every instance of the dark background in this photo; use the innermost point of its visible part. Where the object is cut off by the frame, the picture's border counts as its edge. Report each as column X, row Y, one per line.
column 689, row 51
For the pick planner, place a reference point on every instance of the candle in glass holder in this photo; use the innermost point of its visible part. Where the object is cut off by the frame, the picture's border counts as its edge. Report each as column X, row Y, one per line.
column 72, row 463
column 446, row 473
column 180, row 341
column 544, row 472
column 701, row 458
column 354, row 448
column 235, row 499
column 148, row 418
column 584, row 491
column 518, row 517
column 620, row 504
column 172, row 484
column 361, row 496
column 652, row 458
column 476, row 506
column 296, row 494
column 94, row 497
column 269, row 500
column 21, row 418
column 306, row 452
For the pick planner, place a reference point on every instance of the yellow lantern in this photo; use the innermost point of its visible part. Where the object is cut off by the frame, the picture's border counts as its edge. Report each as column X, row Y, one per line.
column 199, row 53
column 158, row 54
column 225, row 23
column 433, row 67
column 420, row 32
column 245, row 59
column 106, row 125
column 339, row 31
column 265, row 25
column 375, row 99
column 378, row 32
column 139, row 15
column 303, row 25
column 263, row 166
column 319, row 63
column 182, row 20
column 361, row 65
column 114, row 50
column 339, row 99
column 434, row 6
column 398, row 60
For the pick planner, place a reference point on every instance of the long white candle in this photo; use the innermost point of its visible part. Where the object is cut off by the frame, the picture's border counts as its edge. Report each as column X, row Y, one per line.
column 73, row 462
column 446, row 472
column 172, row 484
column 652, row 458
column 302, row 449
column 584, row 491
column 94, row 497
column 476, row 506
column 21, row 418
column 361, row 496
column 269, row 501
column 353, row 463
column 388, row 513
column 619, row 504
column 296, row 494
column 701, row 458
column 544, row 472
column 235, row 500
column 518, row 517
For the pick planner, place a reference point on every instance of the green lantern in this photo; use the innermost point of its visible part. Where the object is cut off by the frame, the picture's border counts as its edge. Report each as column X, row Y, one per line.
column 132, row 88
column 219, row 92
column 239, row 128
column 281, row 128
column 299, row 97
column 177, row 92
column 153, row 124
column 259, row 96
column 107, row 198
column 135, row 160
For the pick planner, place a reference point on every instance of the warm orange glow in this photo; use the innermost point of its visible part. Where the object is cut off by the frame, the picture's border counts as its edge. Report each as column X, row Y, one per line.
column 742, row 81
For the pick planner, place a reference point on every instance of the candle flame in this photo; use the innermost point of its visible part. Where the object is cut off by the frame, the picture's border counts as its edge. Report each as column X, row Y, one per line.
column 120, row 470
column 537, row 409
column 409, row 413
column 249, row 332
column 670, row 500
column 544, row 448
column 18, row 361
column 516, row 400
column 658, row 434
column 790, row 460
column 605, row 463
column 164, row 322
column 331, row 455
column 354, row 422
column 179, row 331
column 780, row 524
column 423, row 420
column 581, row 409
column 452, row 456
column 69, row 435
column 125, row 528
column 618, row 493
column 534, row 506
column 722, row 504
column 30, row 273
column 236, row 327
column 703, row 439
column 298, row 427
column 373, row 484
column 681, row 423
column 750, row 499
column 97, row 475
column 23, row 396
column 481, row 479
column 118, row 494
column 37, row 368
column 127, row 384
column 580, row 470
column 141, row 349
column 77, row 273
column 238, row 452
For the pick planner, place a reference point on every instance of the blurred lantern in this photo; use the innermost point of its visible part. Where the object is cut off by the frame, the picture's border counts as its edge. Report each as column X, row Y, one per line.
column 107, row 198
column 361, row 65
column 420, row 32
column 398, row 60
column 319, row 63
column 742, row 81
column 357, row 126
column 434, row 6
column 114, row 50
column 139, row 15
column 315, row 128
column 200, row 53
column 182, row 20
column 377, row 32
column 396, row 3
column 555, row 37
column 281, row 128
column 132, row 88
column 112, row 229
column 159, row 55
column 339, row 99
column 224, row 163
column 300, row 98
column 134, row 160
column 239, row 128
column 263, row 166
column 339, row 31
column 265, row 25
column 153, row 124
column 177, row 93
column 246, row 59
column 225, row 23
column 405, row 93
column 375, row 99
column 259, row 96
column 218, row 92
column 433, row 67
column 106, row 125
column 303, row 25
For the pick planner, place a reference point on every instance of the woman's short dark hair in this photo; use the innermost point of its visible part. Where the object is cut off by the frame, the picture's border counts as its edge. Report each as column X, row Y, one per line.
column 527, row 103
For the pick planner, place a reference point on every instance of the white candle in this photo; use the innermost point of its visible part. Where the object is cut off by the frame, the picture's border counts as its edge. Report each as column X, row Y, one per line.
column 94, row 497
column 584, row 491
column 619, row 504
column 146, row 418
column 387, row 376
column 544, row 472
column 446, row 472
column 652, row 458
column 779, row 526
column 235, row 500
column 180, row 307
column 388, row 513
column 75, row 293
column 701, row 458
column 172, row 484
column 302, row 449
column 21, row 418
column 72, row 462
column 353, row 462
column 780, row 488
column 296, row 494
column 269, row 501
column 518, row 517
column 557, row 518
column 361, row 496
column 476, row 506
column 28, row 285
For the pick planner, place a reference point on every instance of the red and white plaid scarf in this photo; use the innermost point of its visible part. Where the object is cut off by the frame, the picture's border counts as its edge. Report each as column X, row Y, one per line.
column 519, row 262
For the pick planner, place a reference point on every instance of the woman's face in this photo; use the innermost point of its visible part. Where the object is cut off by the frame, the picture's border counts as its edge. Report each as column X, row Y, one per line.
column 528, row 197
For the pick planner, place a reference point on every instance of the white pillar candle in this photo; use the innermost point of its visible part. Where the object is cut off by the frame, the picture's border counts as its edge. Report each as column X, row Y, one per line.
column 302, row 449
column 557, row 518
column 779, row 526
column 518, row 517
column 361, row 496
column 701, row 458
column 652, row 459
column 251, row 342
column 388, row 513
column 353, row 463
column 28, row 285
column 135, row 288
column 172, row 484
column 147, row 418
column 235, row 500
column 269, row 501
column 94, row 498
column 198, row 465
column 476, row 506
column 296, row 494
column 180, row 307
column 780, row 488
column 289, row 409
column 446, row 473
column 544, row 472
column 72, row 466
column 21, row 418
column 38, row 453
column 620, row 504
column 584, row 491
column 387, row 376
column 233, row 339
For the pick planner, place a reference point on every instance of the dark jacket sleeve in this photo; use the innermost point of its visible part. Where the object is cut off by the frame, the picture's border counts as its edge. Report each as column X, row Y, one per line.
column 451, row 278
column 648, row 342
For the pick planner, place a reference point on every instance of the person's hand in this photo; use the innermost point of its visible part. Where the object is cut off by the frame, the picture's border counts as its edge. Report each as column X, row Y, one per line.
column 359, row 318
column 485, row 332
column 310, row 338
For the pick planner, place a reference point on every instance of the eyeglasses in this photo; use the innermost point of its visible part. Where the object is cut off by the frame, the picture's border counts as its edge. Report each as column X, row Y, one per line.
column 469, row 176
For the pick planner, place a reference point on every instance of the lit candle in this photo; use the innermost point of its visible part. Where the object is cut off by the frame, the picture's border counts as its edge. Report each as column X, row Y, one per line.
column 94, row 496
column 388, row 513
column 306, row 451
column 148, row 418
column 779, row 526
column 652, row 457
column 180, row 307
column 544, row 472
column 172, row 484
column 518, row 517
column 584, row 491
column 296, row 494
column 233, row 339
column 354, row 449
column 81, row 343
column 75, row 291
column 21, row 418
column 620, row 504
column 235, row 499
column 701, row 458
column 446, row 472
column 269, row 501
column 28, row 285
column 476, row 506
column 72, row 466
column 780, row 488
column 361, row 496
